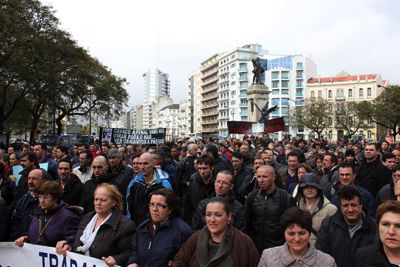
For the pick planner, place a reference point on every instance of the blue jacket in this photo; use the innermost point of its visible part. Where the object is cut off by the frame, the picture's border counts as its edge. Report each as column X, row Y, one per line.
column 138, row 192
column 158, row 248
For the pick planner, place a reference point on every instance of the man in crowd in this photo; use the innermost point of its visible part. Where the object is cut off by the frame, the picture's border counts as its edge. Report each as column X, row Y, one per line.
column 372, row 173
column 288, row 174
column 41, row 152
column 330, row 167
column 29, row 162
column 223, row 186
column 84, row 171
column 201, row 185
column 186, row 169
column 70, row 183
column 387, row 191
column 62, row 152
column 264, row 208
column 148, row 180
column 27, row 205
column 347, row 177
column 121, row 173
column 100, row 175
column 347, row 230
column 240, row 173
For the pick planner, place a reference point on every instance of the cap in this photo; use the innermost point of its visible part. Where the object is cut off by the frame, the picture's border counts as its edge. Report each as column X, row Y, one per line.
column 114, row 153
column 310, row 179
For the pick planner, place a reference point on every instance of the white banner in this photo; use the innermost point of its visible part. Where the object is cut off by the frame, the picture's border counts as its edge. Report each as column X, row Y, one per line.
column 40, row 256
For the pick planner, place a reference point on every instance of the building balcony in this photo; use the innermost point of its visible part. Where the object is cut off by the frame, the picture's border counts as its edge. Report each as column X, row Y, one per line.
column 243, row 105
column 242, row 69
column 285, row 77
column 243, row 96
column 243, row 113
column 299, row 95
column 340, row 98
column 285, row 103
column 209, row 122
column 210, row 81
column 209, row 97
column 243, row 79
column 299, row 77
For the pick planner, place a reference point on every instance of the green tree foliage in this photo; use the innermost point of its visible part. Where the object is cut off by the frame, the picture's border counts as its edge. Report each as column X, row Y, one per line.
column 46, row 67
column 314, row 115
column 384, row 110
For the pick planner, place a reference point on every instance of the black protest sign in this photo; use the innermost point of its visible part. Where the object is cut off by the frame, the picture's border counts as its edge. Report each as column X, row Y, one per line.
column 129, row 136
column 239, row 127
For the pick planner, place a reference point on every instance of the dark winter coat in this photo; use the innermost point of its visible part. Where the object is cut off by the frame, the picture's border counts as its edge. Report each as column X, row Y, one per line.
column 113, row 237
column 8, row 191
column 22, row 215
column 4, row 221
column 372, row 256
column 372, row 176
column 158, row 248
column 122, row 176
column 263, row 217
column 88, row 190
column 73, row 191
column 198, row 190
column 58, row 224
column 334, row 238
column 386, row 193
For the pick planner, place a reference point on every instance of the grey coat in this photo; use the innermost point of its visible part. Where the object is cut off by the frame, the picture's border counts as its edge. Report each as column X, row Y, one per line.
column 281, row 257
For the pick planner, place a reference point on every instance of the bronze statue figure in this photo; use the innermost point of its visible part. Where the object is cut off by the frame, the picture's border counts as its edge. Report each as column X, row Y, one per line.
column 258, row 71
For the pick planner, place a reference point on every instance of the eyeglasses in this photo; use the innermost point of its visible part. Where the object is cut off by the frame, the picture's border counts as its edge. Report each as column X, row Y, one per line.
column 157, row 205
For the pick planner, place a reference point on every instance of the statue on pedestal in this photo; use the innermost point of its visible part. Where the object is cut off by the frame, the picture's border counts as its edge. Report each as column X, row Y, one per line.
column 258, row 71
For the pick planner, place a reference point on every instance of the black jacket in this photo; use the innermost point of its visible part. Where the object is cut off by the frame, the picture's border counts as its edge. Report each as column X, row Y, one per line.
column 372, row 256
column 4, row 221
column 373, row 176
column 198, row 190
column 8, row 191
column 241, row 177
column 73, row 191
column 238, row 214
column 88, row 190
column 334, row 238
column 114, row 237
column 22, row 215
column 386, row 193
column 122, row 176
column 263, row 217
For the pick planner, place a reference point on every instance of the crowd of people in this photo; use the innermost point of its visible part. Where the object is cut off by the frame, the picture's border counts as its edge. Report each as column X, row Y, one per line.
column 203, row 202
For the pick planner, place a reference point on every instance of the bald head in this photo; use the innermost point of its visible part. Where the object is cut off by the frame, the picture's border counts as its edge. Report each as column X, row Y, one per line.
column 146, row 165
column 100, row 166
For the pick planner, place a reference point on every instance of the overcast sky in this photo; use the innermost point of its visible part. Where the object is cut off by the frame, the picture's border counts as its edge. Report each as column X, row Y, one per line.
column 130, row 37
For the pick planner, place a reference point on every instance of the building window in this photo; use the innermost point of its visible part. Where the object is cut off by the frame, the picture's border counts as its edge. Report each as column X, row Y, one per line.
column 330, row 107
column 360, row 92
column 330, row 94
column 340, row 93
column 285, row 75
column 285, row 84
column 312, row 94
column 299, row 65
column 350, row 92
column 369, row 135
column 275, row 84
column 275, row 75
column 320, row 94
column 330, row 121
column 369, row 92
column 299, row 84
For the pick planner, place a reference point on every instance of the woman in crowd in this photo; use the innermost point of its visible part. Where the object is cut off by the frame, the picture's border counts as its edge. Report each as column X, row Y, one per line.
column 301, row 171
column 104, row 233
column 54, row 221
column 218, row 243
column 159, row 237
column 297, row 250
column 386, row 251
column 312, row 199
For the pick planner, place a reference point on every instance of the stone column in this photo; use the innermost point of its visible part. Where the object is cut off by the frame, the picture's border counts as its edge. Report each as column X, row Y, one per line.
column 257, row 94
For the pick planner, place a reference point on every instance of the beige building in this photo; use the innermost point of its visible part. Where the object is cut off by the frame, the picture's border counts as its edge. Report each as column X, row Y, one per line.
column 341, row 92
column 209, row 93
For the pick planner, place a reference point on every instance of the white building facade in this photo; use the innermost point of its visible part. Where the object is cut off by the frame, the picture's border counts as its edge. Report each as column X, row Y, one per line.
column 156, row 84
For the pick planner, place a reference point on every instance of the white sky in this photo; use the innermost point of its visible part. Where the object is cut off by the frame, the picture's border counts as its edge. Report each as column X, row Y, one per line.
column 130, row 37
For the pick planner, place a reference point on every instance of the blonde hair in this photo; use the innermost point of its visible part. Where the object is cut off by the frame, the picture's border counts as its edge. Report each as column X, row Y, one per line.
column 114, row 194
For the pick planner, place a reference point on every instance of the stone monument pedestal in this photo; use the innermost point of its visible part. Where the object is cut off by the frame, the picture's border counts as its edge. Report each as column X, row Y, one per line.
column 257, row 94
